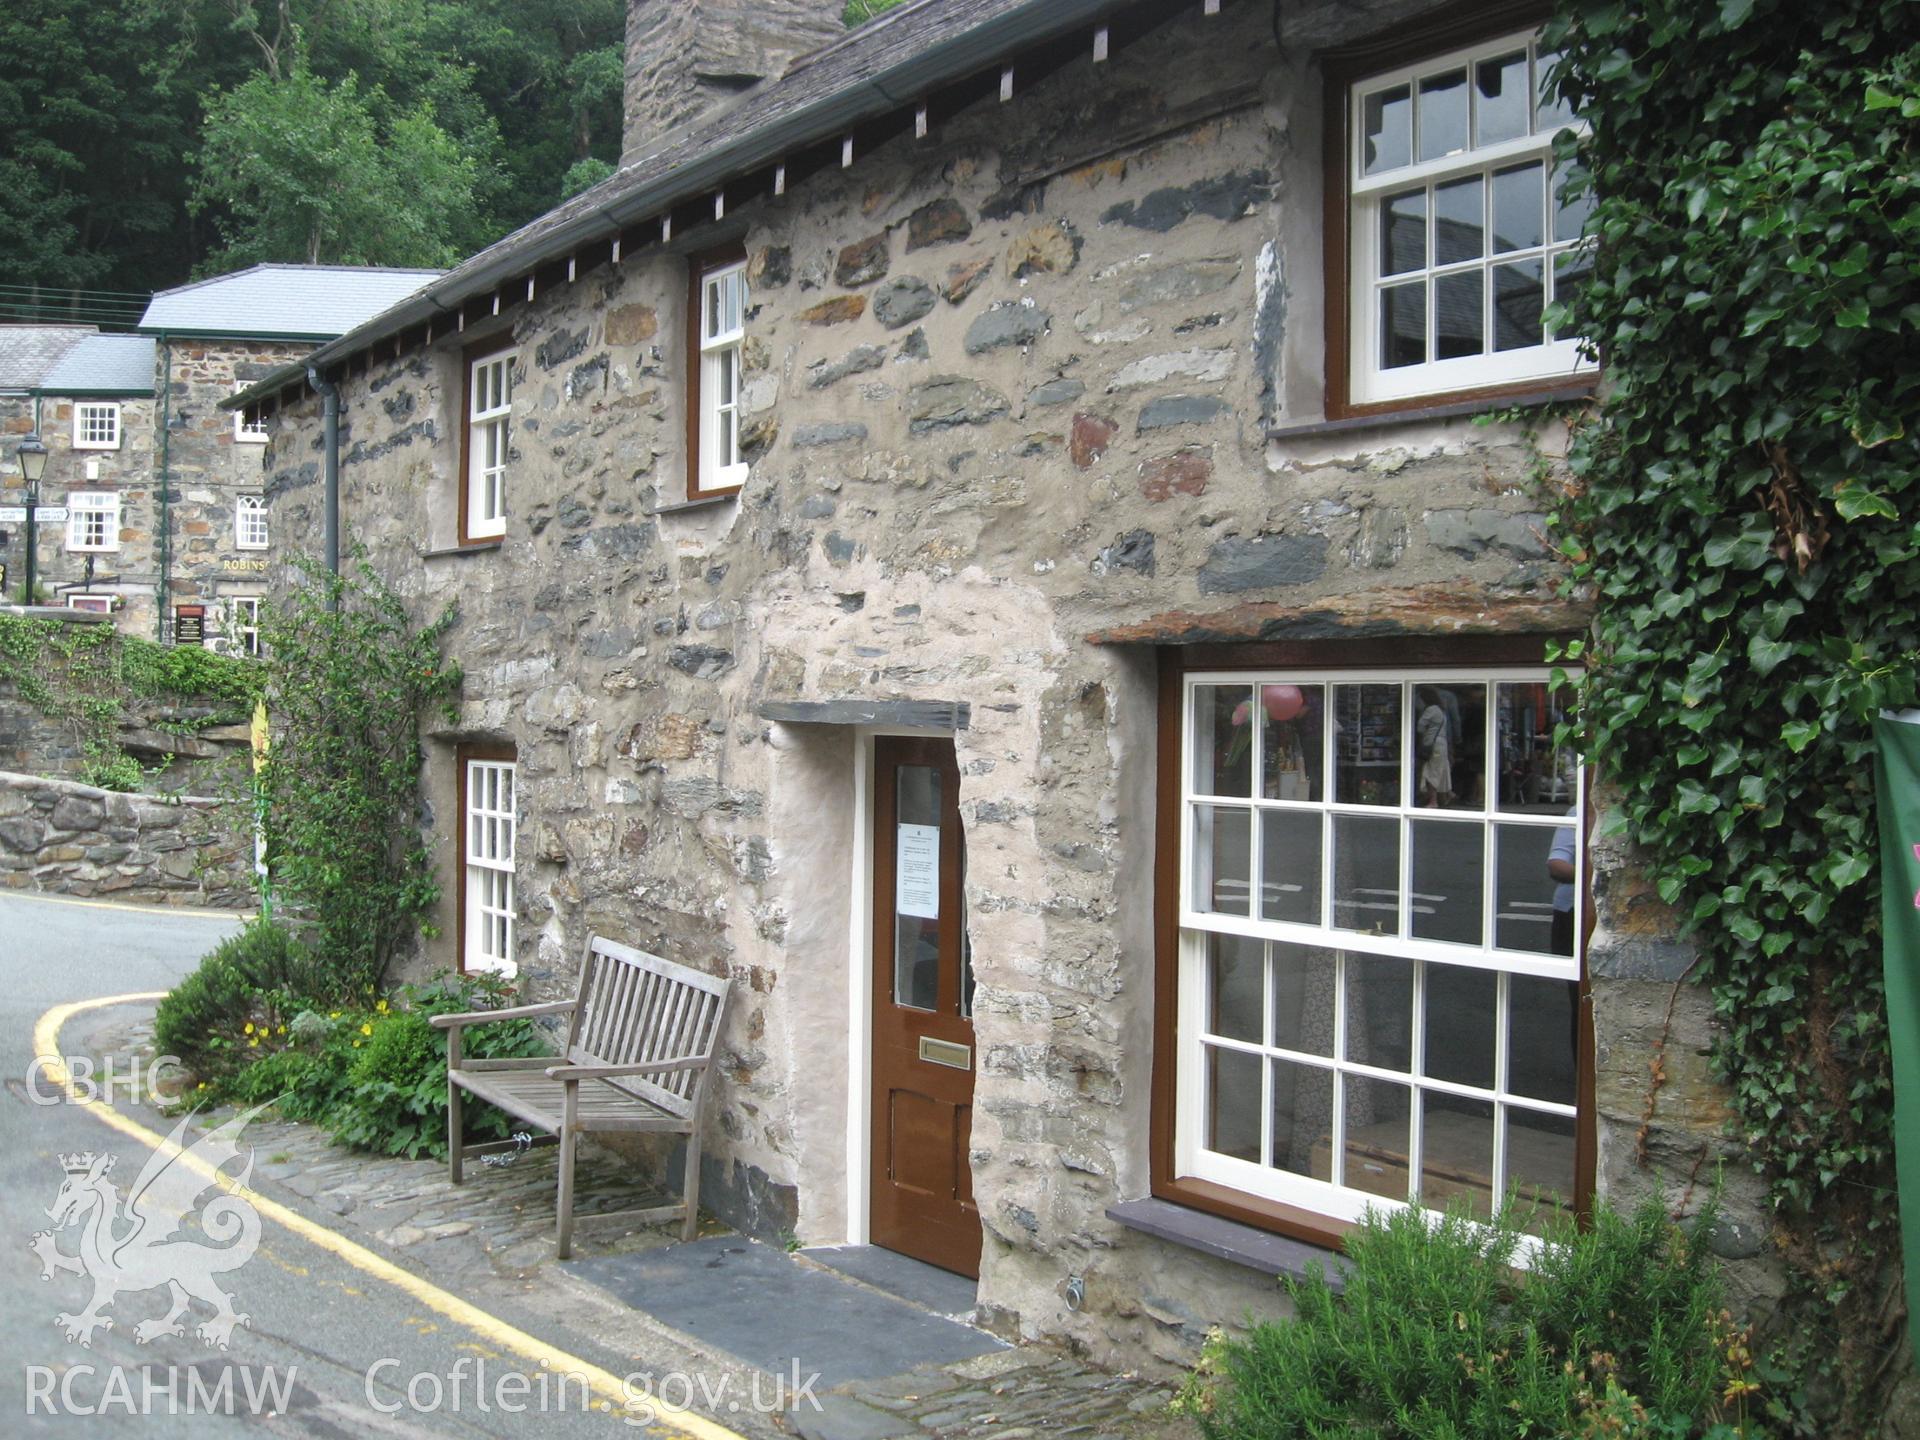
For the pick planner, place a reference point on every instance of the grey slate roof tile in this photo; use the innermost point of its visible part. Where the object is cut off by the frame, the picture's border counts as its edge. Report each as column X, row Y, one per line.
column 28, row 351
column 103, row 364
column 308, row 301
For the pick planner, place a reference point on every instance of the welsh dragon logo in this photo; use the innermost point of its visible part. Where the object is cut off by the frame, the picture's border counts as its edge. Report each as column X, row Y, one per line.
column 131, row 1244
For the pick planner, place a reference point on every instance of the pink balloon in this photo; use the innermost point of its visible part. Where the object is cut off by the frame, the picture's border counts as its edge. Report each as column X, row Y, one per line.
column 1282, row 702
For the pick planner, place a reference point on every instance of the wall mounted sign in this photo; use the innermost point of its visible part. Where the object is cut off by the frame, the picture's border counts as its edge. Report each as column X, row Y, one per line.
column 916, row 886
column 189, row 624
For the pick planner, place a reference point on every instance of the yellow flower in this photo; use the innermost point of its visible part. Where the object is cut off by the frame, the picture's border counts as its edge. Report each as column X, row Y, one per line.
column 356, row 1044
column 254, row 1044
column 381, row 1007
column 201, row 1086
column 283, row 1030
column 333, row 1015
column 247, row 1028
column 366, row 1029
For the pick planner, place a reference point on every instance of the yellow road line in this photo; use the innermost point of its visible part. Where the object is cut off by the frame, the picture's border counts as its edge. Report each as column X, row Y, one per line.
column 675, row 1420
column 190, row 912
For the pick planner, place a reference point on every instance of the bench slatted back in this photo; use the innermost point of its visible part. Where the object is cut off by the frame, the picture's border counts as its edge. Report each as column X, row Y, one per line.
column 634, row 1007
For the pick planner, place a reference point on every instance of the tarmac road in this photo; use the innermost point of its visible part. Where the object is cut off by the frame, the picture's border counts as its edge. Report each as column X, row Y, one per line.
column 320, row 1325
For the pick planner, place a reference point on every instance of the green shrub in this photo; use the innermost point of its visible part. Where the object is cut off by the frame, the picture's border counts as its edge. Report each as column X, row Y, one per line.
column 1618, row 1330
column 376, row 1079
column 246, row 980
column 858, row 12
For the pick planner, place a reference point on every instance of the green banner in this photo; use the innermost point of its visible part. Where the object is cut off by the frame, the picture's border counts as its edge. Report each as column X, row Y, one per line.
column 1898, row 782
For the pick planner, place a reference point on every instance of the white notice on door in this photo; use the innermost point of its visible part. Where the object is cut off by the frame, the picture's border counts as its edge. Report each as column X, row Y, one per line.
column 916, row 882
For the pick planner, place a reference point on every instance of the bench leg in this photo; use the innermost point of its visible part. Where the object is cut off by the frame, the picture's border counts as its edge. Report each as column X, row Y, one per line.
column 454, row 1133
column 690, row 1186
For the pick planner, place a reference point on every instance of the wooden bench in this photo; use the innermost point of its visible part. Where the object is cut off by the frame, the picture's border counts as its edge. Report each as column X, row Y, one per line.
column 639, row 1051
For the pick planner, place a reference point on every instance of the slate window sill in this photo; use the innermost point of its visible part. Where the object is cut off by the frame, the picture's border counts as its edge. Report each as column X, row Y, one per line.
column 1427, row 414
column 482, row 547
column 704, row 502
column 1228, row 1240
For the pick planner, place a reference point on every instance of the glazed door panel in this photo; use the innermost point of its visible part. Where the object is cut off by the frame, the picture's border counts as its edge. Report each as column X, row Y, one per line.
column 923, row 1050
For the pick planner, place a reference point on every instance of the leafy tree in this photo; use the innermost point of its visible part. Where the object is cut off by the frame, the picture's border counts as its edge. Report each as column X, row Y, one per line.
column 92, row 163
column 301, row 169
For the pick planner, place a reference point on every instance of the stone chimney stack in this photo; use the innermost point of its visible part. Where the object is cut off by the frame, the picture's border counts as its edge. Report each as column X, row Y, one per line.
column 686, row 56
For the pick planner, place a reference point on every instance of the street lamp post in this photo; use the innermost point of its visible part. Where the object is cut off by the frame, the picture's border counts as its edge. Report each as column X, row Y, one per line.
column 33, row 464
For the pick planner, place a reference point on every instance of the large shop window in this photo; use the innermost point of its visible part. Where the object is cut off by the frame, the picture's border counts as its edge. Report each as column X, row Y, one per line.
column 486, row 875
column 1457, row 233
column 483, row 480
column 1377, row 976
column 717, row 322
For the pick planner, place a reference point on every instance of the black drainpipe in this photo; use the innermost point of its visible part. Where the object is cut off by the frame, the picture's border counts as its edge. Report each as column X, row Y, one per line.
column 330, row 446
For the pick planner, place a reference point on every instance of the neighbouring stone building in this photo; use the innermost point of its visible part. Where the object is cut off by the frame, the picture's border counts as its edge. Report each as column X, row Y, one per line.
column 166, row 527
column 994, row 540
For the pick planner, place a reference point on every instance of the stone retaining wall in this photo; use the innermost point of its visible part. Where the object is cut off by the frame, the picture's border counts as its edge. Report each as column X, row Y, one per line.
column 72, row 839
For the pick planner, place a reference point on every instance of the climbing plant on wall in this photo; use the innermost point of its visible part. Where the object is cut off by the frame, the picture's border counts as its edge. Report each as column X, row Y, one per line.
column 1744, row 505
column 351, row 679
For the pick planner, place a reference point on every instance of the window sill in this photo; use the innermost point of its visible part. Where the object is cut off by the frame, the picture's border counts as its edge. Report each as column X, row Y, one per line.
column 472, row 547
column 699, row 502
column 1228, row 1240
column 1426, row 414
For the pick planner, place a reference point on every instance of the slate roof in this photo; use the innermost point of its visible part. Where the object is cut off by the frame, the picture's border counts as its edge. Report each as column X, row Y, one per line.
column 295, row 302
column 103, row 365
column 885, row 65
column 28, row 351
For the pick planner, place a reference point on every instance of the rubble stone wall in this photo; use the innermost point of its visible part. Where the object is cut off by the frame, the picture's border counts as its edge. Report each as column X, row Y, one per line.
column 65, row 838
column 1004, row 387
column 685, row 56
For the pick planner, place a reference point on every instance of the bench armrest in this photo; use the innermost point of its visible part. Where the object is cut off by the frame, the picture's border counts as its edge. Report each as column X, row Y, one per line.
column 518, row 1012
column 609, row 1072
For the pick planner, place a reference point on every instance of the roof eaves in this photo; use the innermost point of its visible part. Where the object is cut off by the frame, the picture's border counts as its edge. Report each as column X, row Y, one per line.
column 862, row 98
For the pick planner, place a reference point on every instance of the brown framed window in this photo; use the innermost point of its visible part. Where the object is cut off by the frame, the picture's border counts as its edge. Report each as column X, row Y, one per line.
column 716, row 334
column 1369, row 935
column 489, row 826
column 485, row 443
column 1447, row 233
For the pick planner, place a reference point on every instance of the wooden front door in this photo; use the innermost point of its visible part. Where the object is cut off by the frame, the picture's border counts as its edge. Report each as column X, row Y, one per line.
column 923, row 1052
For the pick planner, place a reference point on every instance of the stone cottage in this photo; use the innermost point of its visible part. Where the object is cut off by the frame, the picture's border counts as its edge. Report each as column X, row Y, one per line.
column 166, row 527
column 1019, row 540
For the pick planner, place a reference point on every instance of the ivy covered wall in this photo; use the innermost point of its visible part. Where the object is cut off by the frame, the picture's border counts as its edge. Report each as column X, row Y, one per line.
column 1744, row 507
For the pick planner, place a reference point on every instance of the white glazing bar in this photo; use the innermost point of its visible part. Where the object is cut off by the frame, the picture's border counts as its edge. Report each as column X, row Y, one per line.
column 1100, row 46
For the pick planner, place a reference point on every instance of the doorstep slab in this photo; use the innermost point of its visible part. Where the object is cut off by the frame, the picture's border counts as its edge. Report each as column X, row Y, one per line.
column 764, row 1307
column 911, row 1280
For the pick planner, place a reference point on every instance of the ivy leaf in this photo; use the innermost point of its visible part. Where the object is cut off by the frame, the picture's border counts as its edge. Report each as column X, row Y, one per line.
column 1797, row 735
column 1854, row 501
column 1735, row 13
column 1748, row 550
column 1880, row 98
column 1766, row 655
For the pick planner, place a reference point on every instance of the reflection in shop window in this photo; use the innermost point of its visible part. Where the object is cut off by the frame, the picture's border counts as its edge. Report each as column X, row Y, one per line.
column 1376, row 999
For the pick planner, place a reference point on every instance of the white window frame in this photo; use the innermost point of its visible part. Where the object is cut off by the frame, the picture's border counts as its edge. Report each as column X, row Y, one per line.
column 723, row 299
column 250, row 528
column 1559, row 357
column 488, row 831
column 489, row 411
column 96, row 424
column 243, row 624
column 1270, row 1181
column 90, row 511
column 244, row 433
